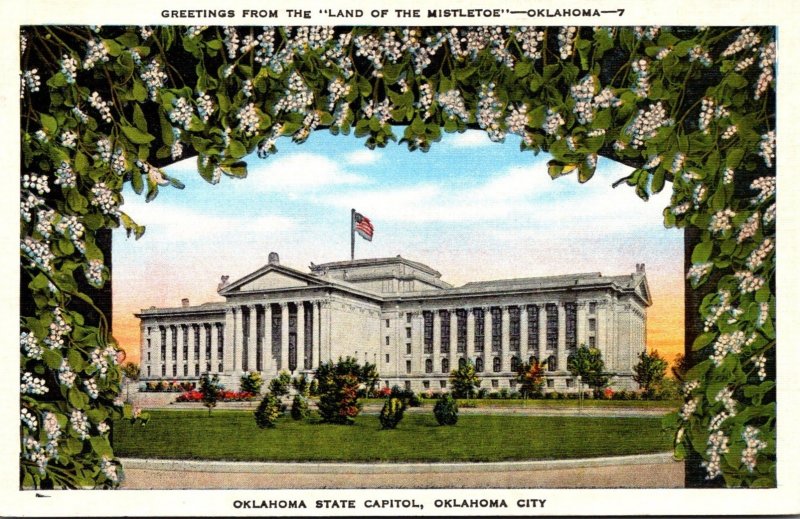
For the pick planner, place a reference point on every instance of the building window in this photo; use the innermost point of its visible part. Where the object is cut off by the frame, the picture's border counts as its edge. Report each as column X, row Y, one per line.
column 408, row 385
column 571, row 311
column 533, row 327
column 148, row 356
column 219, row 367
column 552, row 326
column 387, row 340
column 445, row 366
column 196, row 334
column 428, row 366
column 163, row 370
column 495, row 383
column 479, row 364
column 570, row 383
column 387, row 323
column 496, row 365
column 185, row 342
column 426, row 384
column 444, row 328
column 479, row 328
column 148, row 330
column 428, row 331
column 461, row 330
column 408, row 366
column 513, row 383
column 550, row 383
column 443, row 384
column 514, row 363
column 387, row 358
column 196, row 370
column 408, row 348
column 497, row 328
column 462, row 363
column 185, row 370
column 513, row 328
column 208, row 367
column 220, row 343
column 174, row 370
column 148, row 344
column 533, row 360
column 163, row 344
column 408, row 333
column 592, row 342
column 148, row 371
column 593, row 308
column 174, row 330
column 551, row 363
column 408, row 317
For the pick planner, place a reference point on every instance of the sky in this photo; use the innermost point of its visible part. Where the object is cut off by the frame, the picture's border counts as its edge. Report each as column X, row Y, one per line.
column 472, row 209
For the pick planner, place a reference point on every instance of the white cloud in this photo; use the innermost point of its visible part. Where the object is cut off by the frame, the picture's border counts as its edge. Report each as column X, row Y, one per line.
column 175, row 223
column 299, row 172
column 468, row 139
column 363, row 157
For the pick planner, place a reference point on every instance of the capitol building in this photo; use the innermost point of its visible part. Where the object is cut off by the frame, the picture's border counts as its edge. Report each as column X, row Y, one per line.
column 401, row 316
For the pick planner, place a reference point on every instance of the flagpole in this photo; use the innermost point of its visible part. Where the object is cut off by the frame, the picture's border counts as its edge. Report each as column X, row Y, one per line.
column 352, row 234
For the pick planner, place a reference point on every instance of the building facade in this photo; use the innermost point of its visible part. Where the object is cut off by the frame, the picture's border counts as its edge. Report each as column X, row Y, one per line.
column 401, row 316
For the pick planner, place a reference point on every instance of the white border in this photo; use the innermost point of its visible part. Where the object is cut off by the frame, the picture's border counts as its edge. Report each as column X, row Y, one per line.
column 783, row 500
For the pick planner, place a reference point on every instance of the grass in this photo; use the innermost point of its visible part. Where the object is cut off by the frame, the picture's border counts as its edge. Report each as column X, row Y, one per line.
column 233, row 435
column 550, row 404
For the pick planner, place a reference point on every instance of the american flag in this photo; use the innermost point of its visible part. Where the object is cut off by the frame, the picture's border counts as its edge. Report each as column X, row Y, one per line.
column 363, row 226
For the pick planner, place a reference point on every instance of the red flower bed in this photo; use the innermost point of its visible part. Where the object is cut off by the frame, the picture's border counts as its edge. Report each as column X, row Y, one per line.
column 223, row 396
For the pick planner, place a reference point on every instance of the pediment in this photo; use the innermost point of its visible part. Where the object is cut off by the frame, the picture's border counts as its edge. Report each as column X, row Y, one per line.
column 643, row 290
column 271, row 277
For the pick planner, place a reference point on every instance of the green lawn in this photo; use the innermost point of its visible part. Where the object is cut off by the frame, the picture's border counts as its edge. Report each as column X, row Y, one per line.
column 549, row 404
column 233, row 435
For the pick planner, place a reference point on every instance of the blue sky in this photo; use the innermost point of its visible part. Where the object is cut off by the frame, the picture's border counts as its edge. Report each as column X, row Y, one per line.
column 470, row 208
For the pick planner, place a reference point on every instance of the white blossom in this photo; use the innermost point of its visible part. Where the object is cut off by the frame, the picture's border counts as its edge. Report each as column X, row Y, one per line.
column 181, row 112
column 145, row 32
column 101, row 106
column 766, row 188
column 688, row 408
column 95, row 51
column 647, row 123
column 721, row 221
column 453, row 105
column 727, row 343
column 752, row 448
column 552, row 122
column 766, row 61
column 700, row 55
column 193, row 31
column 747, row 39
column 30, row 345
column 641, row 68
column 35, row 182
column 248, row 119
column 725, row 397
column 760, row 362
column 79, row 423
column 38, row 252
column 109, row 469
column 44, row 222
column 690, row 386
column 103, row 198
column 759, row 254
column 154, row 78
column 529, row 39
column 32, row 385
column 297, row 97
column 767, row 147
column 748, row 282
column 718, row 445
column 382, row 111
column 29, row 419
column 566, row 41
column 91, row 388
column 769, row 214
column 231, row 41
column 69, row 68
column 490, row 113
column 698, row 271
column 31, row 81
column 80, row 114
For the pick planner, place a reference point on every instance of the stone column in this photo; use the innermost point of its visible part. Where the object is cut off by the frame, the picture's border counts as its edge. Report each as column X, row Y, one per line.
column 541, row 351
column 505, row 340
column 523, row 333
column 437, row 341
column 582, row 324
column 454, row 355
column 168, row 352
column 418, row 343
column 228, row 355
column 325, row 331
column 470, row 353
column 266, row 343
column 252, row 339
column 284, row 337
column 314, row 334
column 187, row 344
column 301, row 336
column 487, row 338
column 561, row 355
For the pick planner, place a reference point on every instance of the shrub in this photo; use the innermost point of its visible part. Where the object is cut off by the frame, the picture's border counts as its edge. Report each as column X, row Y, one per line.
column 301, row 384
column 279, row 385
column 392, row 413
column 446, row 410
column 210, row 389
column 338, row 389
column 503, row 393
column 514, row 395
column 299, row 407
column 414, row 401
column 464, row 381
column 251, row 382
column 313, row 388
column 385, row 392
column 482, row 393
column 268, row 411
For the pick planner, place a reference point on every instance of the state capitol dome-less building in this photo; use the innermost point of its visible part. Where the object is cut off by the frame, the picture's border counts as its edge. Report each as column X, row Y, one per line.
column 399, row 315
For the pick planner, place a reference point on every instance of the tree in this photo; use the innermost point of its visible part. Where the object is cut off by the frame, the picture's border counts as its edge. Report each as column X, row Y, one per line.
column 680, row 367
column 392, row 413
column 210, row 388
column 369, row 377
column 588, row 364
column 446, row 410
column 251, row 382
column 301, row 384
column 649, row 371
column 130, row 371
column 530, row 378
column 279, row 386
column 268, row 411
column 338, row 385
column 464, row 381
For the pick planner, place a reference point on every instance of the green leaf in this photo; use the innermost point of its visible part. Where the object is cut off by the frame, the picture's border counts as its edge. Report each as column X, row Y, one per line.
column 138, row 118
column 136, row 136
column 703, row 340
column 49, row 123
column 237, row 150
column 702, row 251
column 77, row 398
column 522, row 69
column 101, row 446
column 657, row 183
column 734, row 157
column 52, row 358
column 81, row 162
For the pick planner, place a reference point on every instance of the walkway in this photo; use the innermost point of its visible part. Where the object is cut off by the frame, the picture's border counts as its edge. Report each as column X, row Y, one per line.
column 644, row 471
